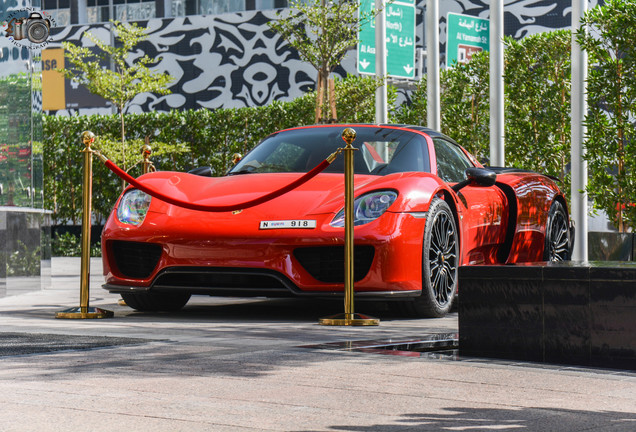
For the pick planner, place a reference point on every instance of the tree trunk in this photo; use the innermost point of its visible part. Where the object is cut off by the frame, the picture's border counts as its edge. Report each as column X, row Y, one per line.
column 322, row 96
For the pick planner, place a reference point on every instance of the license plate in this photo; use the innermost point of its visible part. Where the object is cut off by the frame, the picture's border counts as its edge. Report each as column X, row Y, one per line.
column 289, row 224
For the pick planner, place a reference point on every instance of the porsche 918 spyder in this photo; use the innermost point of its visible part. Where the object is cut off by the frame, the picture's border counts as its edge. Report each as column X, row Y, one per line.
column 423, row 207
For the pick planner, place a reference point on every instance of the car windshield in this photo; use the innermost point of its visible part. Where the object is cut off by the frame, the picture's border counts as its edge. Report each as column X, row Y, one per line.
column 381, row 151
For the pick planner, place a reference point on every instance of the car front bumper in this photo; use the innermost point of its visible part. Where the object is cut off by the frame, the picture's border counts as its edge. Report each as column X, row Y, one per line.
column 205, row 259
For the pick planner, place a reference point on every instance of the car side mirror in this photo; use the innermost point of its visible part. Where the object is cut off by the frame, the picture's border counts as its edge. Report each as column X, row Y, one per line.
column 478, row 176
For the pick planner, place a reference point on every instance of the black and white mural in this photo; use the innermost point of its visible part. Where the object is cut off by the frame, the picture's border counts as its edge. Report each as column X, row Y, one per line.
column 236, row 60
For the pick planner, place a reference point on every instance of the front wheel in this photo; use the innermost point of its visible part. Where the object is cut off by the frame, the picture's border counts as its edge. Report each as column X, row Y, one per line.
column 156, row 301
column 440, row 260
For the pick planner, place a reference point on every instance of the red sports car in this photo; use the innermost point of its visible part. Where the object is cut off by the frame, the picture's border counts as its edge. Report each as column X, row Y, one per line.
column 423, row 207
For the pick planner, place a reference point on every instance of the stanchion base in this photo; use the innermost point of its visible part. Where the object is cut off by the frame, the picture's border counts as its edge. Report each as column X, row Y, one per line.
column 121, row 302
column 84, row 313
column 346, row 319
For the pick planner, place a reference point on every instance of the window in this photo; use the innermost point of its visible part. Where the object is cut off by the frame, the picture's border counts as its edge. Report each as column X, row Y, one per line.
column 380, row 151
column 214, row 7
column 451, row 161
column 60, row 12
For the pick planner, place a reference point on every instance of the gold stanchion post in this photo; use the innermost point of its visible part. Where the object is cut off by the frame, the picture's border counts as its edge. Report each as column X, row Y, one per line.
column 84, row 311
column 147, row 166
column 349, row 318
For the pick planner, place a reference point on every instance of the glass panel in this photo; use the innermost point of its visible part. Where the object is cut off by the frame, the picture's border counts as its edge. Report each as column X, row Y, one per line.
column 178, row 8
column 264, row 4
column 37, row 137
column 61, row 17
column 191, row 7
column 135, row 11
column 301, row 150
column 214, row 7
column 15, row 140
column 451, row 161
column 93, row 14
column 105, row 14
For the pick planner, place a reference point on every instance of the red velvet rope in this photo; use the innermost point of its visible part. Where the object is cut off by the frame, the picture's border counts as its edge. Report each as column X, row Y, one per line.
column 210, row 208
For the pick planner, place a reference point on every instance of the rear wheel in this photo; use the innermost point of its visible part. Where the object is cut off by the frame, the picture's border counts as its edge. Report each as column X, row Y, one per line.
column 440, row 258
column 153, row 301
column 557, row 235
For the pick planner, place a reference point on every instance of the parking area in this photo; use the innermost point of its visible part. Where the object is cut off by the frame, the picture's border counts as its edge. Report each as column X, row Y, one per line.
column 228, row 364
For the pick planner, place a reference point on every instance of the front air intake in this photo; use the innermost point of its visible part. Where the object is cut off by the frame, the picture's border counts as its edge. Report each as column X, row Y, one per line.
column 135, row 260
column 326, row 264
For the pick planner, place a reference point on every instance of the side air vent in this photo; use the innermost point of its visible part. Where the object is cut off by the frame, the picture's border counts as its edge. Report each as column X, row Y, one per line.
column 134, row 259
column 326, row 264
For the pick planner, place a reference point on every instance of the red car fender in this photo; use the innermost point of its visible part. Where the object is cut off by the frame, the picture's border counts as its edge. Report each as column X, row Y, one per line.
column 533, row 196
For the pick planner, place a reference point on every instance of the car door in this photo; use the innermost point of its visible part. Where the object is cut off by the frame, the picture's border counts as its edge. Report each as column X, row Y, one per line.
column 481, row 210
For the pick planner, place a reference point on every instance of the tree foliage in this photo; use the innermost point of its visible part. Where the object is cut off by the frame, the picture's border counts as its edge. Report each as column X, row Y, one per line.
column 537, row 104
column 464, row 105
column 127, row 78
column 611, row 130
column 322, row 32
column 537, row 80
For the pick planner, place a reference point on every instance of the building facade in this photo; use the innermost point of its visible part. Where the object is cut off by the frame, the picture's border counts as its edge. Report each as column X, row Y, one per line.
column 223, row 54
column 25, row 254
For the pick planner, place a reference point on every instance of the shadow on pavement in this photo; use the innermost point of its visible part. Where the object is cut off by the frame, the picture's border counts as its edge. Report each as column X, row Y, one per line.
column 501, row 419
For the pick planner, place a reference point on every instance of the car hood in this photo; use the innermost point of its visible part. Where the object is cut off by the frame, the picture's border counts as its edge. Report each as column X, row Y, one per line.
column 321, row 194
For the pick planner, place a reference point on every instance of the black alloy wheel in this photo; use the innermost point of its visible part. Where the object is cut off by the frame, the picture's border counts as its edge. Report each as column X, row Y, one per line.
column 557, row 235
column 440, row 262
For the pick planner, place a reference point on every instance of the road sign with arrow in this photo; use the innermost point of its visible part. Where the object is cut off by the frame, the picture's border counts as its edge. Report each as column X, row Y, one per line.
column 400, row 39
column 466, row 35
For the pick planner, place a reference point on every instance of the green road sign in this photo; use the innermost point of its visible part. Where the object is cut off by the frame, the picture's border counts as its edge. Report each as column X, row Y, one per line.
column 400, row 39
column 466, row 35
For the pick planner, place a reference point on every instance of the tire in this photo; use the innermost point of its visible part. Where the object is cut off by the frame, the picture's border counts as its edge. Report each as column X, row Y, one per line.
column 440, row 262
column 152, row 301
column 557, row 235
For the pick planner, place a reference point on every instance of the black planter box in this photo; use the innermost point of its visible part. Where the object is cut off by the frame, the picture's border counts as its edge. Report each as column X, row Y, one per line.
column 568, row 313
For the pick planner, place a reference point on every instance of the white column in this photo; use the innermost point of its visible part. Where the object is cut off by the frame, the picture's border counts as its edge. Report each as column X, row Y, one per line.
column 167, row 8
column 82, row 12
column 381, row 109
column 433, row 120
column 496, row 83
column 579, row 109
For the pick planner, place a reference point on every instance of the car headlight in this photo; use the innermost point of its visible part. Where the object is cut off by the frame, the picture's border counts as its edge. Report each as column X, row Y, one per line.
column 133, row 207
column 367, row 208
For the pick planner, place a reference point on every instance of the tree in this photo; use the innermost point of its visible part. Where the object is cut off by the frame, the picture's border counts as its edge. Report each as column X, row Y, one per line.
column 322, row 32
column 537, row 82
column 414, row 110
column 611, row 132
column 125, row 81
column 537, row 104
column 465, row 105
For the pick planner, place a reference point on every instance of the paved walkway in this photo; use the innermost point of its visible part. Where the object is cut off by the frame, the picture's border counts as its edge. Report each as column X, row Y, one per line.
column 242, row 365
